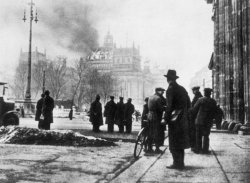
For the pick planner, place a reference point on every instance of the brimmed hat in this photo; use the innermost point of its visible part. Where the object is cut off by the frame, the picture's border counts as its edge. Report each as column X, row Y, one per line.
column 146, row 99
column 196, row 88
column 121, row 98
column 208, row 90
column 159, row 89
column 112, row 97
column 171, row 74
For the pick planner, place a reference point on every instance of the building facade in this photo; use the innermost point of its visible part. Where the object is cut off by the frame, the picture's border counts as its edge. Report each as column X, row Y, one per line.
column 230, row 63
column 125, row 65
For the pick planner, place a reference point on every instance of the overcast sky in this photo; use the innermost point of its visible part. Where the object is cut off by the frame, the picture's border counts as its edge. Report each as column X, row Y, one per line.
column 175, row 34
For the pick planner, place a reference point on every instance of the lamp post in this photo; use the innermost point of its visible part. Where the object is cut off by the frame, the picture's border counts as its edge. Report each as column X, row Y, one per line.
column 28, row 92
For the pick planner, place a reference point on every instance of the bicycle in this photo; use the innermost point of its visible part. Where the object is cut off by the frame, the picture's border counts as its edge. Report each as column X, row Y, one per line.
column 142, row 141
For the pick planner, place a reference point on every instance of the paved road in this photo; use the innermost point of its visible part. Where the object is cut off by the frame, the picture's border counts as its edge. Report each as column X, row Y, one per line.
column 229, row 162
column 66, row 124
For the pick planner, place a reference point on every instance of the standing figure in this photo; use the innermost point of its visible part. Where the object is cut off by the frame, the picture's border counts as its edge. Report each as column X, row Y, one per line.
column 156, row 108
column 176, row 115
column 192, row 131
column 119, row 115
column 204, row 110
column 145, row 111
column 22, row 112
column 218, row 117
column 109, row 113
column 128, row 112
column 39, row 107
column 48, row 106
column 71, row 114
column 96, row 114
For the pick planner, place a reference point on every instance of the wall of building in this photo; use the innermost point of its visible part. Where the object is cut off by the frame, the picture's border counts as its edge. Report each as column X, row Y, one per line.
column 231, row 60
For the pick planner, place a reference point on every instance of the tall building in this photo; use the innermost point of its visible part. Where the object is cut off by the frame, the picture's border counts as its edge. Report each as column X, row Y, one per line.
column 230, row 62
column 35, row 56
column 125, row 64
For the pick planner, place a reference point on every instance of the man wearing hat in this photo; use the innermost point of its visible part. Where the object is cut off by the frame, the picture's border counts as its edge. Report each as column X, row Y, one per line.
column 192, row 131
column 48, row 106
column 119, row 115
column 156, row 108
column 129, row 109
column 96, row 114
column 176, row 116
column 109, row 113
column 204, row 110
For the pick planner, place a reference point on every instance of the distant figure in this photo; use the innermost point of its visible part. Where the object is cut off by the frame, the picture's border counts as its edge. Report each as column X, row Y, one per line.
column 192, row 131
column 156, row 108
column 96, row 114
column 205, row 111
column 119, row 115
column 144, row 117
column 39, row 107
column 109, row 113
column 22, row 112
column 176, row 115
column 48, row 106
column 71, row 113
column 128, row 112
column 218, row 117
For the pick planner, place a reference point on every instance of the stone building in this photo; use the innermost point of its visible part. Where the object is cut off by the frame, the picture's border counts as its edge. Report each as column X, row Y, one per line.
column 230, row 61
column 35, row 56
column 125, row 64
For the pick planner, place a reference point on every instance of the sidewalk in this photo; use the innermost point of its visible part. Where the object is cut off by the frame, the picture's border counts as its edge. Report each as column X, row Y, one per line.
column 228, row 162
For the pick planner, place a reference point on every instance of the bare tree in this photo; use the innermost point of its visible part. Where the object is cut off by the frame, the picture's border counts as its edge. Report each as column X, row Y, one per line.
column 56, row 76
column 37, row 76
column 20, row 80
column 107, row 85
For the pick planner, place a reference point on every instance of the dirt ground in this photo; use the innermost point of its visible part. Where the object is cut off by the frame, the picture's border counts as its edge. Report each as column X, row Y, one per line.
column 38, row 163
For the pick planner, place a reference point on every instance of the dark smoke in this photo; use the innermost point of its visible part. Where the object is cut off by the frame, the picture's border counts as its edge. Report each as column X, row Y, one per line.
column 72, row 25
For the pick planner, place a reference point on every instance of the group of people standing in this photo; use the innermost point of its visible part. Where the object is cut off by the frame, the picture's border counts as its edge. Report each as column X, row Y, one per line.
column 119, row 114
column 189, row 124
column 44, row 111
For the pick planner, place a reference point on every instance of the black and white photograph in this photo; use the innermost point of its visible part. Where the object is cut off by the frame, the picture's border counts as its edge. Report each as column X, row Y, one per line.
column 124, row 91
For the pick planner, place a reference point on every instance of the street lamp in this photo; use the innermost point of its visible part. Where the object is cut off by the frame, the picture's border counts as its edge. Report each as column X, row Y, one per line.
column 28, row 92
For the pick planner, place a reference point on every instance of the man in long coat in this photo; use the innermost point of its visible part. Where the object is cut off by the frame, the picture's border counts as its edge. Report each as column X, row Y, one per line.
column 192, row 131
column 156, row 108
column 96, row 114
column 39, row 106
column 145, row 111
column 119, row 115
column 129, row 109
column 204, row 110
column 177, row 100
column 109, row 113
column 48, row 106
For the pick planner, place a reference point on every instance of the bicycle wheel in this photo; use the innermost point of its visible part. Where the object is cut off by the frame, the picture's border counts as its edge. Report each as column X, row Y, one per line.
column 140, row 142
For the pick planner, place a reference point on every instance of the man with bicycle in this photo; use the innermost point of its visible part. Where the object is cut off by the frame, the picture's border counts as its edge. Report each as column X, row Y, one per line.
column 156, row 108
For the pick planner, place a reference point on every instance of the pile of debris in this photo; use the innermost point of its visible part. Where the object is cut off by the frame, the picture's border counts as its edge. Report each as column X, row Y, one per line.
column 21, row 135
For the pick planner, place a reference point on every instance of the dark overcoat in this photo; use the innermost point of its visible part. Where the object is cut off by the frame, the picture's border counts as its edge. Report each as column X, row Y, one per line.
column 195, row 99
column 156, row 108
column 48, row 106
column 177, row 98
column 39, row 106
column 144, row 116
column 192, row 131
column 205, row 111
column 129, row 109
column 96, row 113
column 109, row 112
column 119, row 114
